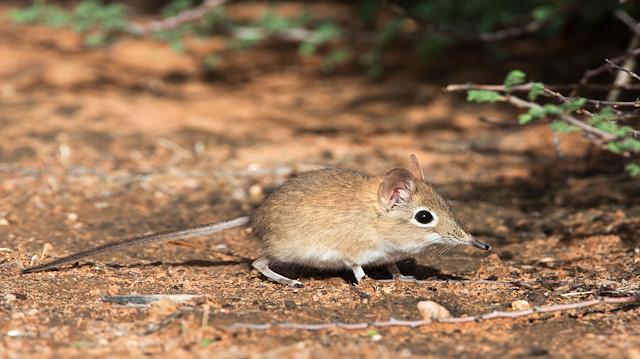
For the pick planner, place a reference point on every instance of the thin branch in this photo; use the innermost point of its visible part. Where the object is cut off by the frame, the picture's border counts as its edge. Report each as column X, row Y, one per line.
column 549, row 91
column 501, row 123
column 634, row 299
column 605, row 136
column 620, row 68
column 516, row 31
column 464, row 281
column 597, row 103
column 604, row 67
column 190, row 15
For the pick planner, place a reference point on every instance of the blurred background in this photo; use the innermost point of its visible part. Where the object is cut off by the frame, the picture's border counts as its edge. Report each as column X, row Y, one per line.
column 124, row 117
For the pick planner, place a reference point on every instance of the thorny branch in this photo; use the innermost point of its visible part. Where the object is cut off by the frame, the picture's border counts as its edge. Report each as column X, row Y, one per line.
column 605, row 136
column 550, row 91
column 620, row 68
column 602, row 135
column 604, row 67
column 635, row 299
column 633, row 26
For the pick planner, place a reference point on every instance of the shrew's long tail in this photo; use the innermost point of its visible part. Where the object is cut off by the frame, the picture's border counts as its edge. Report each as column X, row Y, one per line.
column 189, row 232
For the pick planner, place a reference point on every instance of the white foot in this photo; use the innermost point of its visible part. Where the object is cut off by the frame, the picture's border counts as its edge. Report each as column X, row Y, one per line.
column 358, row 272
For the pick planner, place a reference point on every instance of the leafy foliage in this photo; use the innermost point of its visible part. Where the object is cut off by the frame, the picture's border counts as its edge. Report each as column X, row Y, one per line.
column 633, row 169
column 448, row 23
column 483, row 96
column 563, row 127
column 624, row 142
column 515, row 77
column 91, row 17
column 430, row 26
column 537, row 89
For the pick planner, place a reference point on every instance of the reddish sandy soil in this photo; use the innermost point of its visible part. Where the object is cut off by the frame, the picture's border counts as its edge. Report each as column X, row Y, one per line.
column 133, row 138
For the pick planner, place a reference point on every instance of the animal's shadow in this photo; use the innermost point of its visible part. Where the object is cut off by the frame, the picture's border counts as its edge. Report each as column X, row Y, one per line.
column 408, row 268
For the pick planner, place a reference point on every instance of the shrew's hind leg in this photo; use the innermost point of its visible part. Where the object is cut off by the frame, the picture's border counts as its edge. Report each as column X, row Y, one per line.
column 262, row 265
column 397, row 275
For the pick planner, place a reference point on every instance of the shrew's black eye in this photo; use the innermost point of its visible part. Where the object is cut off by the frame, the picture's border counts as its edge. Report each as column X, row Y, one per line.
column 424, row 217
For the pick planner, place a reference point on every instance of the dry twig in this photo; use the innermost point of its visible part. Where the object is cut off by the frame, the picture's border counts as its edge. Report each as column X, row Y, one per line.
column 604, row 67
column 418, row 323
column 620, row 68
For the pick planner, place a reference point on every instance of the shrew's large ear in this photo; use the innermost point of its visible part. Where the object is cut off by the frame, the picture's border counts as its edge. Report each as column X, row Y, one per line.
column 398, row 186
column 414, row 168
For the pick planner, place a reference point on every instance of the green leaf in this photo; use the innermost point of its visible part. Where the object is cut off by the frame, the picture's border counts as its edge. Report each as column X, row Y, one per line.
column 525, row 118
column 615, row 147
column 537, row 89
column 483, row 96
column 40, row 13
column 323, row 34
column 574, row 105
column 95, row 40
column 633, row 144
column 272, row 23
column 534, row 114
column 242, row 43
column 601, row 122
column 633, row 168
column 211, row 61
column 606, row 113
column 389, row 31
column 551, row 110
column 334, row 58
column 542, row 13
column 563, row 127
column 215, row 16
column 175, row 7
column 515, row 77
column 372, row 59
column 626, row 145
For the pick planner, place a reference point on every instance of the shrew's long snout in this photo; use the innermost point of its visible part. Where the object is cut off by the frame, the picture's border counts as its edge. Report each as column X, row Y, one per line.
column 476, row 243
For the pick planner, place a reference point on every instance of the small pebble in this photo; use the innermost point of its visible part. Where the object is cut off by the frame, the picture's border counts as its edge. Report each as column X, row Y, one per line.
column 14, row 333
column 432, row 310
column 72, row 216
column 4, row 222
column 520, row 305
